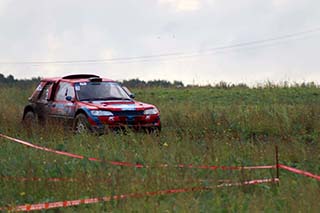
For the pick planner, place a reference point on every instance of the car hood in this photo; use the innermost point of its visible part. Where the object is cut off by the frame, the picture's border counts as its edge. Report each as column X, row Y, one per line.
column 116, row 105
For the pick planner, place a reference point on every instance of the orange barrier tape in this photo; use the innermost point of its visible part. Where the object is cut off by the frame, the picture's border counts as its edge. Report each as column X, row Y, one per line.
column 250, row 182
column 45, row 149
column 300, row 172
column 42, row 206
column 127, row 164
column 109, row 180
column 56, row 179
column 36, row 179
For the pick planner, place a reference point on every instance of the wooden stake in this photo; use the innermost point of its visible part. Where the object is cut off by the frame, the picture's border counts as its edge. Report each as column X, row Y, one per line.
column 277, row 162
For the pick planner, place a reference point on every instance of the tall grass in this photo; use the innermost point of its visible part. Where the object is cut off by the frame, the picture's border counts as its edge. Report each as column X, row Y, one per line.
column 201, row 126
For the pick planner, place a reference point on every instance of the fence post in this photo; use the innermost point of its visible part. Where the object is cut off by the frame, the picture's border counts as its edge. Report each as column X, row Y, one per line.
column 277, row 162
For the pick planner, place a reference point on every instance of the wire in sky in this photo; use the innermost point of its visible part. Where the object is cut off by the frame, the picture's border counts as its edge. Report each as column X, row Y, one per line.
column 172, row 55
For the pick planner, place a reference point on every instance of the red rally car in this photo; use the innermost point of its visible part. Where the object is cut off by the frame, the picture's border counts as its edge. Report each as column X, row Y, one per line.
column 89, row 103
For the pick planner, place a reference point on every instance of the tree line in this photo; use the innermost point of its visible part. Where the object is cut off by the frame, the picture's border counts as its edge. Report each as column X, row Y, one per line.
column 10, row 80
column 154, row 83
column 133, row 83
column 137, row 83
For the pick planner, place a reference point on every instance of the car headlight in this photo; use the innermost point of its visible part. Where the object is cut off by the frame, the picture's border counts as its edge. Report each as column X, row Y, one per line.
column 152, row 111
column 101, row 113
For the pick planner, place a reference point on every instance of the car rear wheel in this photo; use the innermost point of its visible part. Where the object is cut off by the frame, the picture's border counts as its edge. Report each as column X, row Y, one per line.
column 81, row 124
column 29, row 119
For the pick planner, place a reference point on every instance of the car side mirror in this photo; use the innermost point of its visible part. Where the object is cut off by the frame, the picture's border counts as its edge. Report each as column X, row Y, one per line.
column 69, row 98
column 132, row 95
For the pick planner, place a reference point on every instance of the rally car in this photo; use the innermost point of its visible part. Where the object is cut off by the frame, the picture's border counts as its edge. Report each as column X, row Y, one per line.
column 89, row 103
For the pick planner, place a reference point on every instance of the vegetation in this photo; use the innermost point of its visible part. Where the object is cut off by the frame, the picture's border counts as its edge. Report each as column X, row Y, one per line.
column 136, row 83
column 226, row 125
column 154, row 83
column 11, row 81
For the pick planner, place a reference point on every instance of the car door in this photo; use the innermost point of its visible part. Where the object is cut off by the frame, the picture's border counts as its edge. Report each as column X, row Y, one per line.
column 60, row 107
column 42, row 100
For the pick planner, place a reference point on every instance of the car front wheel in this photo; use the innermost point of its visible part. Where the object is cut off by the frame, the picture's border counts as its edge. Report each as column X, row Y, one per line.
column 81, row 124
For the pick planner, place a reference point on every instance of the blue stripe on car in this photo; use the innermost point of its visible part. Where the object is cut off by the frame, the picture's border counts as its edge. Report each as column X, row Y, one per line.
column 94, row 118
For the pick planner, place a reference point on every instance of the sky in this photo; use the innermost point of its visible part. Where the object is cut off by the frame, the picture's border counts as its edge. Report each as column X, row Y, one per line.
column 194, row 41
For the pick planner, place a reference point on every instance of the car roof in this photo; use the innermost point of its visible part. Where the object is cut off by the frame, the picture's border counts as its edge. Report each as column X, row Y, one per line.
column 77, row 78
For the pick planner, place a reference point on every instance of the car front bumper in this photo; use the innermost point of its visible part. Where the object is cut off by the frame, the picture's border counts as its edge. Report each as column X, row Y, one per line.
column 110, row 123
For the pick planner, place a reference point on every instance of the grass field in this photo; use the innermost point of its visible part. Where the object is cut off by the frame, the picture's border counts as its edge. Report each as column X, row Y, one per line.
column 201, row 126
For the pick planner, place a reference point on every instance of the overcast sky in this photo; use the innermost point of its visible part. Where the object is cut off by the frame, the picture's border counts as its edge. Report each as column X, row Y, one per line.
column 186, row 32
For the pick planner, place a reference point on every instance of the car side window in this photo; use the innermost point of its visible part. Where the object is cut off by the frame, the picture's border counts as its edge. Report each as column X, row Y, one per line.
column 45, row 92
column 65, row 89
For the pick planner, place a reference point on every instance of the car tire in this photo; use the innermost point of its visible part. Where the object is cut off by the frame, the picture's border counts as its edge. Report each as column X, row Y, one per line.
column 153, row 130
column 81, row 124
column 29, row 119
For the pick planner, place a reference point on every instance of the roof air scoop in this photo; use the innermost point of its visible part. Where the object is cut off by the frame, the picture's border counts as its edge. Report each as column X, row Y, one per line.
column 95, row 79
column 79, row 76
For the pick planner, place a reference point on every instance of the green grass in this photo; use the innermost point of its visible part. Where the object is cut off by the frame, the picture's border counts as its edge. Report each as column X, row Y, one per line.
column 201, row 126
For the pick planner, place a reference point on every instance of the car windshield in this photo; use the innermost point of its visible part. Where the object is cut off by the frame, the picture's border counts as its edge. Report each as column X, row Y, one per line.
column 91, row 91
